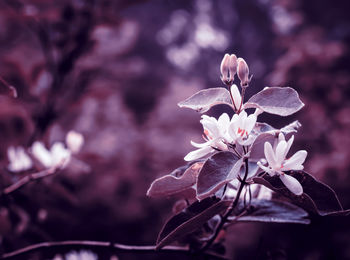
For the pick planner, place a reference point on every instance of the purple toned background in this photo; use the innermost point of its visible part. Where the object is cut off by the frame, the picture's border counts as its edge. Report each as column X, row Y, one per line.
column 115, row 70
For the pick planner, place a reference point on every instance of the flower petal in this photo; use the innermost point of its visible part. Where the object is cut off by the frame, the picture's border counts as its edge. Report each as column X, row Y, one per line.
column 42, row 154
column 280, row 152
column 223, row 122
column 249, row 123
column 197, row 145
column 196, row 154
column 295, row 161
column 236, row 95
column 269, row 154
column 289, row 144
column 292, row 184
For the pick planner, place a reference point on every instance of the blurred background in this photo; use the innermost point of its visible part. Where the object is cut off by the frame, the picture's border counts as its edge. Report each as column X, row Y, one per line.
column 115, row 71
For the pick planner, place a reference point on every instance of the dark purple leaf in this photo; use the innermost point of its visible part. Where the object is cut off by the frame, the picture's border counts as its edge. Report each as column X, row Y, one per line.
column 257, row 148
column 275, row 100
column 169, row 185
column 318, row 197
column 190, row 220
column 217, row 170
column 203, row 100
column 272, row 211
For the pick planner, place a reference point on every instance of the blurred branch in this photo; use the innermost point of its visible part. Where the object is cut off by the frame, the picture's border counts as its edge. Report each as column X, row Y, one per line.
column 31, row 177
column 7, row 88
column 108, row 245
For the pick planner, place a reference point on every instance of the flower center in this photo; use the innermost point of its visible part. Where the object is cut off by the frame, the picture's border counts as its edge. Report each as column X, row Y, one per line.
column 242, row 132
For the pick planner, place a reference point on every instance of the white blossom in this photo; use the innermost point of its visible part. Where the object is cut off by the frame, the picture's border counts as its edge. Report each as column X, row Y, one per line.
column 81, row 255
column 215, row 135
column 277, row 163
column 240, row 127
column 54, row 157
column 74, row 141
column 18, row 159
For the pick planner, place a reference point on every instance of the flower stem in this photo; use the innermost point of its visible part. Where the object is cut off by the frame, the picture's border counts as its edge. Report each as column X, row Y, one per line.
column 229, row 210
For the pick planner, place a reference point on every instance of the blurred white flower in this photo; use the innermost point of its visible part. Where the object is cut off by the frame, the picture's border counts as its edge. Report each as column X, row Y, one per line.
column 215, row 135
column 81, row 255
column 240, row 127
column 74, row 141
column 277, row 163
column 18, row 158
column 56, row 156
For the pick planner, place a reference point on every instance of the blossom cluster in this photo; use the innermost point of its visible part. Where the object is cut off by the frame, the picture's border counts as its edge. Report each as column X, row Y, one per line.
column 58, row 155
column 224, row 134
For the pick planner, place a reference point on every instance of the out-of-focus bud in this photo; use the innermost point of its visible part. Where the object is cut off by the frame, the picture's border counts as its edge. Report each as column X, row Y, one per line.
column 243, row 72
column 225, row 69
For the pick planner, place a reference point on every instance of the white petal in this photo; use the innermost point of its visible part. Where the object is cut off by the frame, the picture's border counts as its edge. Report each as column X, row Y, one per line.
column 281, row 137
column 74, row 141
column 292, row 184
column 289, row 144
column 26, row 162
column 197, row 145
column 42, row 154
column 196, row 154
column 11, row 154
column 266, row 169
column 280, row 152
column 295, row 161
column 236, row 95
column 232, row 130
column 59, row 154
column 250, row 123
column 223, row 123
column 269, row 154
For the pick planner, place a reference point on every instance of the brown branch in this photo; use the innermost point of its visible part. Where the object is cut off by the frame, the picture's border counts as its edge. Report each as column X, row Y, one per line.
column 97, row 244
column 31, row 177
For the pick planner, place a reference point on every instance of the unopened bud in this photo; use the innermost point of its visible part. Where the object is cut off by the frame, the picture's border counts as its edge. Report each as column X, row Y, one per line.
column 233, row 66
column 243, row 72
column 225, row 69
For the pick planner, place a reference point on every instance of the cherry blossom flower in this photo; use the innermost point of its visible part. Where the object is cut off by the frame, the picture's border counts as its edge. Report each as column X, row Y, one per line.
column 54, row 157
column 240, row 127
column 278, row 164
column 215, row 135
column 81, row 255
column 74, row 141
column 19, row 160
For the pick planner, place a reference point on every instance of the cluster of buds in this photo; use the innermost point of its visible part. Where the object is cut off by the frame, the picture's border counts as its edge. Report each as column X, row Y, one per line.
column 230, row 65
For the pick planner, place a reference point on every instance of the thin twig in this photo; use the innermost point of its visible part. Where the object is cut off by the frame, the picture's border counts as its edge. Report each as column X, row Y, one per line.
column 229, row 210
column 98, row 244
column 11, row 90
column 31, row 177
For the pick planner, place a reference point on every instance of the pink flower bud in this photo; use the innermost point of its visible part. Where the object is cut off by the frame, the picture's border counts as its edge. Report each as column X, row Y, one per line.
column 233, row 66
column 225, row 69
column 243, row 72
